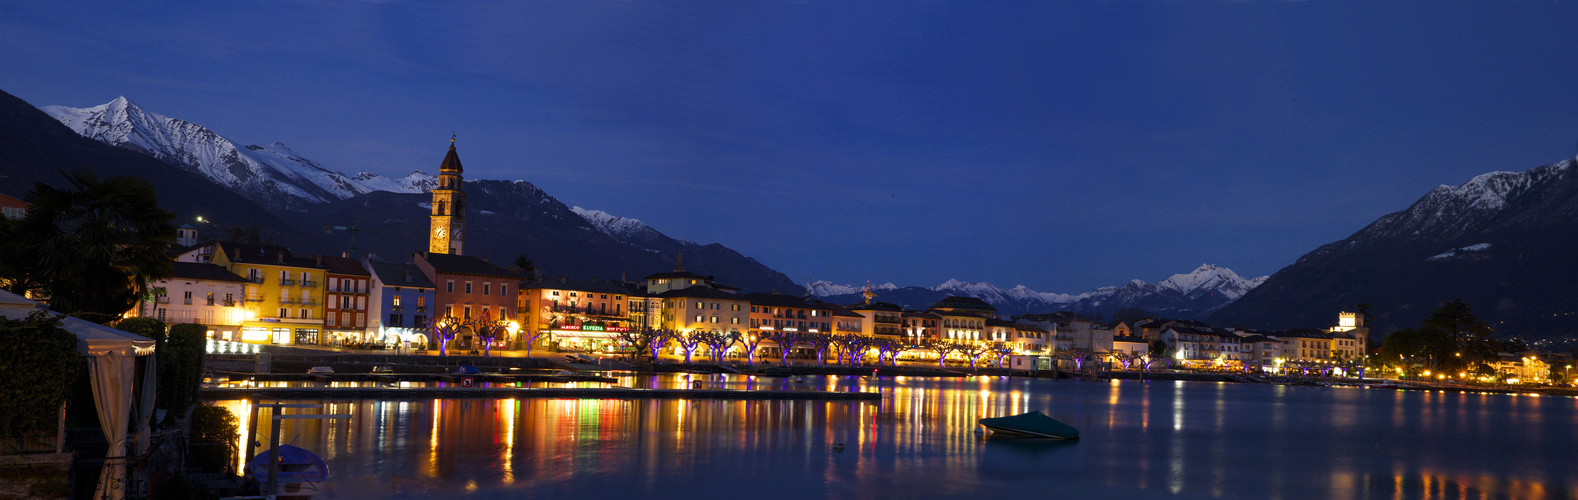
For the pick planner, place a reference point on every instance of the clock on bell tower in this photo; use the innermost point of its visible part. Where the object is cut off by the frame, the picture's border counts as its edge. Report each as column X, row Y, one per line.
column 449, row 207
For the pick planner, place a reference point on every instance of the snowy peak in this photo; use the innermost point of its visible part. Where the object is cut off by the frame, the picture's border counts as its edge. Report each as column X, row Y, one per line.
column 272, row 175
column 612, row 225
column 1448, row 212
column 824, row 288
column 1194, row 294
column 1208, row 279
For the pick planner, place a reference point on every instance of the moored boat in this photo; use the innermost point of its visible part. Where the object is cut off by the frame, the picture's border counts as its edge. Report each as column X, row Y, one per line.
column 1034, row 424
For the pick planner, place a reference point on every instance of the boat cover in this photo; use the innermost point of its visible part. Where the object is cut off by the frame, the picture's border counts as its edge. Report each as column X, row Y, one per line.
column 296, row 465
column 1033, row 424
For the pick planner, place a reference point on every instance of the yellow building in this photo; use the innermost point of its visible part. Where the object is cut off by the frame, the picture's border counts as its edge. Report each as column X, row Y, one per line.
column 284, row 293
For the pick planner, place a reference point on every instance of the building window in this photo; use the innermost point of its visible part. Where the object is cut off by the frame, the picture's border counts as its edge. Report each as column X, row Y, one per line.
column 397, row 301
column 284, row 313
column 420, row 302
column 210, row 298
column 450, row 286
column 734, row 321
column 468, row 312
column 503, row 289
column 306, row 314
column 698, row 318
column 449, row 311
column 419, row 321
column 394, row 320
column 714, row 319
column 468, row 287
column 486, row 288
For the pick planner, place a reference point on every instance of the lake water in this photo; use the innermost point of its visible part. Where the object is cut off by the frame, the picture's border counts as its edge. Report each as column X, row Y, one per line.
column 1140, row 440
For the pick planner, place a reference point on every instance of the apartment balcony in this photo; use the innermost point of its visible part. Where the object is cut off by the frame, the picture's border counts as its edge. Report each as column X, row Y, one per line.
column 308, row 302
column 256, row 280
column 287, row 300
column 254, row 299
column 228, row 303
column 162, row 299
column 309, row 284
column 188, row 302
column 396, row 308
column 421, row 309
column 287, row 282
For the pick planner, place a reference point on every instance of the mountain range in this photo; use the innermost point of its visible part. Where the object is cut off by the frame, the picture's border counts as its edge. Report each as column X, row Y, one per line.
column 1503, row 242
column 388, row 216
column 1193, row 295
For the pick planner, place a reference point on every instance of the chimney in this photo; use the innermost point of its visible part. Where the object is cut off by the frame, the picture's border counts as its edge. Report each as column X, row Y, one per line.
column 282, row 257
column 408, row 276
column 238, row 255
column 345, row 255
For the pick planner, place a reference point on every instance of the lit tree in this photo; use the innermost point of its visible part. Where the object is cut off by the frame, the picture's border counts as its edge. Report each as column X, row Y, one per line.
column 689, row 342
column 750, row 343
column 889, row 348
column 1123, row 358
column 785, row 341
column 529, row 337
column 1000, row 351
column 445, row 330
column 485, row 328
column 941, row 347
column 820, row 342
column 718, row 343
column 973, row 351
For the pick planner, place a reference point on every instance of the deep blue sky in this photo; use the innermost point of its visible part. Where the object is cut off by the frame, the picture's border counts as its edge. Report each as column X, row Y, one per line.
column 1060, row 145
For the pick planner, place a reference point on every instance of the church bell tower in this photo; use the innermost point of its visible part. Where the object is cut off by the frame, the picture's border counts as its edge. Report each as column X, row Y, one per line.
column 448, row 231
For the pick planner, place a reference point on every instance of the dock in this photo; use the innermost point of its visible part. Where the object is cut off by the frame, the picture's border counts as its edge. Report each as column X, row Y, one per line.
column 222, row 393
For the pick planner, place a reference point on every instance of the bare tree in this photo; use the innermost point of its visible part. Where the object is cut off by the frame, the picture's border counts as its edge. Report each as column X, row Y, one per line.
column 485, row 328
column 445, row 330
column 785, row 341
column 972, row 350
column 718, row 343
column 941, row 347
column 689, row 341
column 889, row 348
column 750, row 343
column 645, row 339
column 1000, row 351
column 820, row 342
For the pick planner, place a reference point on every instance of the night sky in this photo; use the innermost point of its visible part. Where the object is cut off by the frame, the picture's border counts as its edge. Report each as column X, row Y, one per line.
column 1059, row 145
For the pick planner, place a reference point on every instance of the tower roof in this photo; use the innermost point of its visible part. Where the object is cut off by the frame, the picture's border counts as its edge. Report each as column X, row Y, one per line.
column 451, row 160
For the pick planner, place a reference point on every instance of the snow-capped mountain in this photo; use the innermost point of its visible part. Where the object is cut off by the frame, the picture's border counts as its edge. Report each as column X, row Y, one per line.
column 1191, row 295
column 630, row 231
column 272, row 175
column 1503, row 242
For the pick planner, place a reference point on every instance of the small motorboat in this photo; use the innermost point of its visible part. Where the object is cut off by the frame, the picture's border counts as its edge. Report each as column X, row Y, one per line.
column 1034, row 425
column 298, row 468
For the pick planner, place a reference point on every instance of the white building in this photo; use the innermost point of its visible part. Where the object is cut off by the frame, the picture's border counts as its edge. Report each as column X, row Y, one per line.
column 205, row 294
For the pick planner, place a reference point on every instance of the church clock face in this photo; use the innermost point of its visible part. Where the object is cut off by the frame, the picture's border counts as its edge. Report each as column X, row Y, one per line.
column 438, row 231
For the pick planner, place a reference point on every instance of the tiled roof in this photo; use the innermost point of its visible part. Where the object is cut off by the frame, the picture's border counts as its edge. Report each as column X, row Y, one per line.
column 465, row 264
column 268, row 255
column 598, row 286
column 956, row 302
column 394, row 274
column 701, row 292
column 205, row 272
column 344, row 265
column 451, row 160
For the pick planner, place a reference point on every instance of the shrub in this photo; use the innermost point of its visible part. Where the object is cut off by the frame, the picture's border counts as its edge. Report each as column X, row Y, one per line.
column 181, row 356
column 38, row 364
column 214, row 434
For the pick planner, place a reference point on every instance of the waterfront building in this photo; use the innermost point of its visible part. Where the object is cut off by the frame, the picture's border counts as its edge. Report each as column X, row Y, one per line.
column 1000, row 331
column 583, row 315
column 1032, row 339
column 919, row 326
column 1121, row 329
column 1260, row 350
column 962, row 319
column 401, row 299
column 880, row 319
column 1074, row 331
column 1131, row 345
column 1351, row 336
column 776, row 312
column 704, row 308
column 847, row 322
column 346, row 300
column 679, row 278
column 1301, row 344
column 204, row 294
column 466, row 287
column 283, row 299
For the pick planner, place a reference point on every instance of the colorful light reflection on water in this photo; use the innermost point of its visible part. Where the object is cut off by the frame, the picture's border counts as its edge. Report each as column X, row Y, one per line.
column 1161, row 439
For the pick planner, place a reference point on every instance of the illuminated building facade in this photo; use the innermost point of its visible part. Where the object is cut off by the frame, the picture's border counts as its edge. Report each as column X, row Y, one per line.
column 204, row 294
column 283, row 300
column 586, row 315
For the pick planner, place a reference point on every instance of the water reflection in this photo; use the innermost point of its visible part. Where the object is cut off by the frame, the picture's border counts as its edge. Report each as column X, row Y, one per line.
column 1218, row 440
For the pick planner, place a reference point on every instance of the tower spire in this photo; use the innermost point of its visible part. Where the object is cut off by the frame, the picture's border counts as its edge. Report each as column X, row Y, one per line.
column 679, row 263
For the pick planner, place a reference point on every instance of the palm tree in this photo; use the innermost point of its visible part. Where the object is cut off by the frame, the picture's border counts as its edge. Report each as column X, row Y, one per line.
column 92, row 247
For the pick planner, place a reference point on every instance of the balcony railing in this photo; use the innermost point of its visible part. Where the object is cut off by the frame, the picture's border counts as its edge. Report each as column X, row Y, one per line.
column 421, row 309
column 254, row 299
column 256, row 280
column 162, row 299
column 287, row 300
column 309, row 284
column 228, row 303
column 287, row 282
column 309, row 302
column 396, row 308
